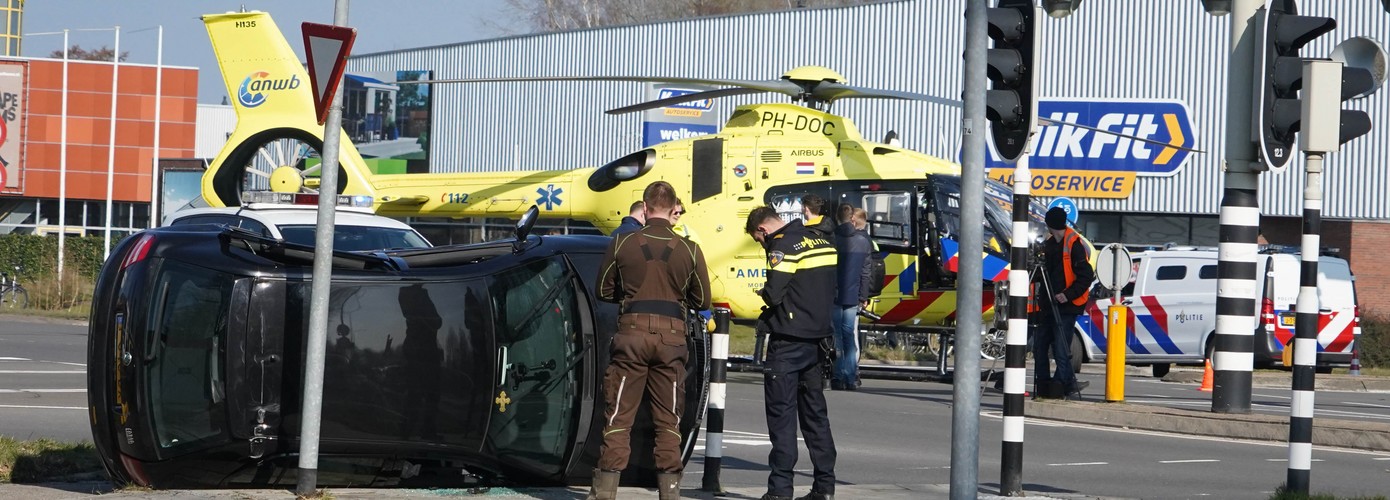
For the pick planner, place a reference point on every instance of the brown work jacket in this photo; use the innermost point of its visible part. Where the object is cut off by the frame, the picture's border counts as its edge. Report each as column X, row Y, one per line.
column 624, row 276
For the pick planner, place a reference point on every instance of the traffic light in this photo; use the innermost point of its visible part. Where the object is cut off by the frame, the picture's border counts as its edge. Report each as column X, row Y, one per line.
column 1010, row 104
column 1279, row 76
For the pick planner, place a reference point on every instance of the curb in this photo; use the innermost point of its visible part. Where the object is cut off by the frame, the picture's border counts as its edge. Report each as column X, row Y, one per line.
column 1326, row 431
column 1321, row 382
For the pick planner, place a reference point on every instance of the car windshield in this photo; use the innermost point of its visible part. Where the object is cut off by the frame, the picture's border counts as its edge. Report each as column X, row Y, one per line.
column 357, row 238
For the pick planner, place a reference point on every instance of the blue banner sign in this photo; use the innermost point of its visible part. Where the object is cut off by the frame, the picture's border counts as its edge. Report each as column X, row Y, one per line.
column 1066, row 147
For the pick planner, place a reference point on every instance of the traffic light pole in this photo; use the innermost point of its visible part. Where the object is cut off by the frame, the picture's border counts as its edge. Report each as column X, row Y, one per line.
column 965, row 413
column 1016, row 340
column 1305, row 344
column 1234, row 341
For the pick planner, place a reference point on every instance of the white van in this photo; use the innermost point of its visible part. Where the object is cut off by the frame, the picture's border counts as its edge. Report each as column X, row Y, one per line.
column 1172, row 301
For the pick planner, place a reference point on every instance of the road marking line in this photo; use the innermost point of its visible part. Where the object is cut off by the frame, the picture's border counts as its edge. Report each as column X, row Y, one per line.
column 1194, row 461
column 16, row 372
column 1078, row 464
column 4, row 358
column 1357, row 403
column 17, row 391
column 1275, row 396
column 1285, row 460
column 66, row 363
column 45, row 407
column 1381, row 458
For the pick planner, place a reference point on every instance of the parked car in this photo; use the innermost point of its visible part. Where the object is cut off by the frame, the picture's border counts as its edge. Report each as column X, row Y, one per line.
column 1172, row 304
column 293, row 217
column 450, row 366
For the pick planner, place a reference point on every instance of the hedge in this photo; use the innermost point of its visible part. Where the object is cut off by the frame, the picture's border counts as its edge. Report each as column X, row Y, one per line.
column 37, row 256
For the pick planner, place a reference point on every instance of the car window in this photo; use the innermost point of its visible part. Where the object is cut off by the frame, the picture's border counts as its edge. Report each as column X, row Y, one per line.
column 206, row 219
column 1167, row 273
column 536, row 314
column 1207, row 272
column 188, row 342
column 357, row 238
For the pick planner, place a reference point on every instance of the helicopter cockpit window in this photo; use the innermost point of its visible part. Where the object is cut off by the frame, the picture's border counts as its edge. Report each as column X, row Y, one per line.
column 996, row 221
column 787, row 200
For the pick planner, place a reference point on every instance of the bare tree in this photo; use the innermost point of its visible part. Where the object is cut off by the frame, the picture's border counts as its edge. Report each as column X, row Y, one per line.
column 77, row 52
column 557, row 15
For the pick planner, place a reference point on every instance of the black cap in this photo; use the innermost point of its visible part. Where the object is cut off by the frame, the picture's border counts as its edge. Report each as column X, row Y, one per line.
column 1056, row 218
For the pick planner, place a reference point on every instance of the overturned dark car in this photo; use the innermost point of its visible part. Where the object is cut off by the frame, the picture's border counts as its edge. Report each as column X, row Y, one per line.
column 466, row 365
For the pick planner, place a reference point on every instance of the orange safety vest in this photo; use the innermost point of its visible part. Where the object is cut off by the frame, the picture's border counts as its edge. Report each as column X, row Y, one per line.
column 1068, row 241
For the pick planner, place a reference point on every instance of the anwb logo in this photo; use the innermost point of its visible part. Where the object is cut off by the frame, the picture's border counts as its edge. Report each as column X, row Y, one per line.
column 251, row 93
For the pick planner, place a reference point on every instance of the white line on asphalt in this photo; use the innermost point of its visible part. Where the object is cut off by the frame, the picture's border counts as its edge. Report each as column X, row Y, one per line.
column 17, row 391
column 1285, row 460
column 1195, row 461
column 1275, row 396
column 1357, row 403
column 1381, row 458
column 997, row 415
column 15, row 372
column 3, row 358
column 45, row 407
column 66, row 363
column 1078, row 464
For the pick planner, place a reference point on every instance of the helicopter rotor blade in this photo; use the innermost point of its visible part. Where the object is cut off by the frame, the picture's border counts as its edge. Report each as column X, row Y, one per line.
column 830, row 91
column 778, row 86
column 1117, row 134
column 661, row 103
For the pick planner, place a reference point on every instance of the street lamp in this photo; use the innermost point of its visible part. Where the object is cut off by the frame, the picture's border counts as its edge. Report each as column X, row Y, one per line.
column 1062, row 8
column 1221, row 7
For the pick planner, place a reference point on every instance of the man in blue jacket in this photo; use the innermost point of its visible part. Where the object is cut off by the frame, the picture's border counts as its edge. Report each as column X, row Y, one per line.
column 852, row 248
column 636, row 217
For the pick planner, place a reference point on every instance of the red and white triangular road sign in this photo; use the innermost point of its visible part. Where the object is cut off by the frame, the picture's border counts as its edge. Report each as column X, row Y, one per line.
column 327, row 47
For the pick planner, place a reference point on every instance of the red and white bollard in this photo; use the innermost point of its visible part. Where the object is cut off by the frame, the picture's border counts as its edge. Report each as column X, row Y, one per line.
column 1355, row 361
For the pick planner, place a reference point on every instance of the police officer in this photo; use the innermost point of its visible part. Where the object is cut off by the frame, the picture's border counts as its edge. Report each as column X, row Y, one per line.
column 799, row 293
column 1057, row 301
column 656, row 276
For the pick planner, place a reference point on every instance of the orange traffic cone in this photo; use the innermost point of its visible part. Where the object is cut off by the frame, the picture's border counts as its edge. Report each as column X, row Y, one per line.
column 1206, row 378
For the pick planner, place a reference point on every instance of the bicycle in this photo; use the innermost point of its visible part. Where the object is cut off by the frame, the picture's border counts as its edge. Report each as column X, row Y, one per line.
column 12, row 294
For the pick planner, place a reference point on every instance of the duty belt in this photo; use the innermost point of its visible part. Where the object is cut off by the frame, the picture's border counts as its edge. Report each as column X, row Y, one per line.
column 657, row 307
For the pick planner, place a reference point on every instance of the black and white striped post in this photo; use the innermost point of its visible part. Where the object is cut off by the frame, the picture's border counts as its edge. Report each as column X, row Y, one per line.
column 1016, row 340
column 1321, row 133
column 714, row 415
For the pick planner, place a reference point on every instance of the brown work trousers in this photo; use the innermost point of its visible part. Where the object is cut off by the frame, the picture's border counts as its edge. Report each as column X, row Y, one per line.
column 648, row 355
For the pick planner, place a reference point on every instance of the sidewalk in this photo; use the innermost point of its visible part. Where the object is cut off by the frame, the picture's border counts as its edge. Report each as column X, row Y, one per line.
column 851, row 492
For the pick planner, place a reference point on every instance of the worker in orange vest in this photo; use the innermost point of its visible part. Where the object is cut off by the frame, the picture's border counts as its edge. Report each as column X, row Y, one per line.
column 1060, row 293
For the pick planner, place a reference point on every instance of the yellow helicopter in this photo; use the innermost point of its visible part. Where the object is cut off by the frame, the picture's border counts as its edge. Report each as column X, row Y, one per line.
column 771, row 153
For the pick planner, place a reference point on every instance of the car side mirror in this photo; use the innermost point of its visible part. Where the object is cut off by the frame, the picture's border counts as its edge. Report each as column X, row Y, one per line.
column 524, row 225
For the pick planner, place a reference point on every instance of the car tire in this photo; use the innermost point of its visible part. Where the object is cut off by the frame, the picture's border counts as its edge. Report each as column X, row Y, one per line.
column 1160, row 370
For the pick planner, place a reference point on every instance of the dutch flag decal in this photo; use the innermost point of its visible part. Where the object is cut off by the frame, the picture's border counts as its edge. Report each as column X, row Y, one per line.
column 805, row 168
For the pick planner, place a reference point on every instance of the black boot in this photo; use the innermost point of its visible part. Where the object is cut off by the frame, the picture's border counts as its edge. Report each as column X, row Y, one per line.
column 605, row 485
column 816, row 495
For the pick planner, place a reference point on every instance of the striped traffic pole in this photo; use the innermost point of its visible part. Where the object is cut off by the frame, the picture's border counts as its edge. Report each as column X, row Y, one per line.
column 1016, row 340
column 1305, row 347
column 714, row 415
column 1234, row 342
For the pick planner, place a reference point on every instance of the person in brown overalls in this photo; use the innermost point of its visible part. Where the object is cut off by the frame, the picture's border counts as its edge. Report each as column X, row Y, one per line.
column 657, row 276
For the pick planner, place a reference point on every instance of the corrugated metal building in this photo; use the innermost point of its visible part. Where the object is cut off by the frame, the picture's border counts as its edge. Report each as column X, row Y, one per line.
column 1145, row 49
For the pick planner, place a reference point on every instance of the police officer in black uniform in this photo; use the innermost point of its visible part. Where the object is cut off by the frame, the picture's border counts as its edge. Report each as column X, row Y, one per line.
column 799, row 293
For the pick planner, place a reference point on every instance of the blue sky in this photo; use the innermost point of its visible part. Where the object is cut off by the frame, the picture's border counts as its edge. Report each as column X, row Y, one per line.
column 381, row 25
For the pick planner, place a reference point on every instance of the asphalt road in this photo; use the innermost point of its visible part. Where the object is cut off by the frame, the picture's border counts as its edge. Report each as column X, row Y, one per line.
column 43, row 384
column 890, row 432
column 899, row 432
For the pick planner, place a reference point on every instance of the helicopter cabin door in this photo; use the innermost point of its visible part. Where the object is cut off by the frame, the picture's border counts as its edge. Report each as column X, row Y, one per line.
column 889, row 206
column 940, row 232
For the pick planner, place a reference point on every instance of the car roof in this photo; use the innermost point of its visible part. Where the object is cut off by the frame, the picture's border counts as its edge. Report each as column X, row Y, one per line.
column 294, row 215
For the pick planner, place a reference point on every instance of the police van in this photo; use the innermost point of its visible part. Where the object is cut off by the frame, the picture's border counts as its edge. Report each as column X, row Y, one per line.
column 1172, row 309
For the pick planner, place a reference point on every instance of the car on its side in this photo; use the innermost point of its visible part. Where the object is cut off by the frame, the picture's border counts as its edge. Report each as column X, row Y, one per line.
column 450, row 366
column 293, row 217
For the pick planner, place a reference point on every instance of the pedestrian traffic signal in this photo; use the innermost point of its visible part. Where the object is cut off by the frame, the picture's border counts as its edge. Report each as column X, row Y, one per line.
column 1010, row 104
column 1280, row 76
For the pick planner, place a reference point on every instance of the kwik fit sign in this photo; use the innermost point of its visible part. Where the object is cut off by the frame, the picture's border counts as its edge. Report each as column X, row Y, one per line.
column 677, row 121
column 1066, row 160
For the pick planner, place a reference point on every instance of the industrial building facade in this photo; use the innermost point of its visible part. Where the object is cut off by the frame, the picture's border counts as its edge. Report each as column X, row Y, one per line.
column 1155, row 67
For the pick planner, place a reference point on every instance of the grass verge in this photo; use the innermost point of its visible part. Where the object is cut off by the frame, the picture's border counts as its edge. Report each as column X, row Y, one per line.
column 43, row 460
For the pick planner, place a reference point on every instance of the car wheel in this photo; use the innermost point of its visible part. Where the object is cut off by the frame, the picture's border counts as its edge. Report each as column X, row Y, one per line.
column 273, row 160
column 992, row 344
column 1161, row 369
